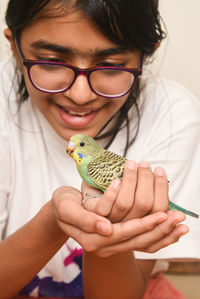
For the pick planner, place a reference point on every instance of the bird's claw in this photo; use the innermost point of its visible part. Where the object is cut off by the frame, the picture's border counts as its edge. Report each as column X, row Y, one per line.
column 89, row 196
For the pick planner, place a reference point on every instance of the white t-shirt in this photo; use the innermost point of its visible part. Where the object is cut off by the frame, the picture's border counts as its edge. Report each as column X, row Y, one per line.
column 34, row 163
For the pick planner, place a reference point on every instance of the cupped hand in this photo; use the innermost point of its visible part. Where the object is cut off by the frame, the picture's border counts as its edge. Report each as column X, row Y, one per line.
column 70, row 214
column 147, row 234
column 96, row 233
column 141, row 192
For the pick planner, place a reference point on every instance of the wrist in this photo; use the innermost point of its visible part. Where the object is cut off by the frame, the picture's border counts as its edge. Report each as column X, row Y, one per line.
column 51, row 225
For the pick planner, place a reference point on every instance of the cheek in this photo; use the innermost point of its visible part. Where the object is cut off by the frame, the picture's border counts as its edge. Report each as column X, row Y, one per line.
column 37, row 97
column 117, row 103
column 30, row 88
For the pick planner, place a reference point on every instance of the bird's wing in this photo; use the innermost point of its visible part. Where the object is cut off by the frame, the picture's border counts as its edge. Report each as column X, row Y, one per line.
column 107, row 167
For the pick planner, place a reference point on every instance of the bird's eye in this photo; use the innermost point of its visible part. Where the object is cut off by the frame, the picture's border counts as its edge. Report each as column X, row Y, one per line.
column 82, row 144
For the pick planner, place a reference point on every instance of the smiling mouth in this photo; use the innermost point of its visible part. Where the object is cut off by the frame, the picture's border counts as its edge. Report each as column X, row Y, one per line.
column 75, row 113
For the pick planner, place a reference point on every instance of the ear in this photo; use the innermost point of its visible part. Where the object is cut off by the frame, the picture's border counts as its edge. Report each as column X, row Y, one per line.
column 9, row 36
column 157, row 45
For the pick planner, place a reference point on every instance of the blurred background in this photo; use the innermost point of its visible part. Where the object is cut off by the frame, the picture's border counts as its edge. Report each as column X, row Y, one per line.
column 178, row 59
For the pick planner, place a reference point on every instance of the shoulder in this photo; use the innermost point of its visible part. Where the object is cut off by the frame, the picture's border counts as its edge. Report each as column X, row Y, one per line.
column 167, row 110
column 169, row 122
column 8, row 78
column 8, row 90
column 7, row 72
column 165, row 94
column 166, row 103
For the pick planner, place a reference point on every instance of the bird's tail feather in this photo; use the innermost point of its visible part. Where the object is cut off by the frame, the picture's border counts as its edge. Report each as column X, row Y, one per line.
column 174, row 207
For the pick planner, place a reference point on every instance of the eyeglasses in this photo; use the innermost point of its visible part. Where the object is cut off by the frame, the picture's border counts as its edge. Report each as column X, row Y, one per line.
column 56, row 77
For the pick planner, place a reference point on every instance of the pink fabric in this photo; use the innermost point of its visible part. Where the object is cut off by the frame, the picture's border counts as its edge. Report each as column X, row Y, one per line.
column 159, row 287
column 52, row 298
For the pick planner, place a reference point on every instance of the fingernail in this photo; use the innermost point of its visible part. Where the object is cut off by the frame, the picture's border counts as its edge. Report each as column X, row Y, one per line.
column 103, row 227
column 184, row 230
column 116, row 183
column 131, row 165
column 144, row 164
column 160, row 171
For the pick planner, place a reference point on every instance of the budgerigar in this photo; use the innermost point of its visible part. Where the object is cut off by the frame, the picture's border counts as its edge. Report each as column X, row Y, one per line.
column 98, row 167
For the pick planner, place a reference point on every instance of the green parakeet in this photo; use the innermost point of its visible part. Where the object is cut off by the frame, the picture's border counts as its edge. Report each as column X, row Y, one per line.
column 98, row 167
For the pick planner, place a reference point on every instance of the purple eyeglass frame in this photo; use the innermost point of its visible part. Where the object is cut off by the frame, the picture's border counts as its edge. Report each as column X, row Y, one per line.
column 78, row 71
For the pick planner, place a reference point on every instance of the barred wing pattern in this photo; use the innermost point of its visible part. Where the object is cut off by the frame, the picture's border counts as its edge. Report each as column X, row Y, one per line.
column 107, row 167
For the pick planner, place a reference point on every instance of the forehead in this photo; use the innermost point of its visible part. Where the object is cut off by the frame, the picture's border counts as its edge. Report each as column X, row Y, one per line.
column 73, row 29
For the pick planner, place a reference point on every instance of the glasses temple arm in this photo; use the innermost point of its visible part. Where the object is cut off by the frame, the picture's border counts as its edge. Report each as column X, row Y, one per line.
column 21, row 55
column 141, row 61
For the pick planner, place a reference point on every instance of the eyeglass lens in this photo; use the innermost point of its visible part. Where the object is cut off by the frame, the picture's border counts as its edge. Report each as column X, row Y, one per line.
column 106, row 82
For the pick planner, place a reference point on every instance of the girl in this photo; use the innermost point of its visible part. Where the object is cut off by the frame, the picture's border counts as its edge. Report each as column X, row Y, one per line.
column 78, row 68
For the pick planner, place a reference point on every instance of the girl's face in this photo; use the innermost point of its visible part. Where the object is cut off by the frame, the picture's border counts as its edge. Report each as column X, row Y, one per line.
column 73, row 40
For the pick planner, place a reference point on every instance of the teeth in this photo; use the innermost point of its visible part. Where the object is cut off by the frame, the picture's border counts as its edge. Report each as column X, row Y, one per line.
column 75, row 113
column 79, row 114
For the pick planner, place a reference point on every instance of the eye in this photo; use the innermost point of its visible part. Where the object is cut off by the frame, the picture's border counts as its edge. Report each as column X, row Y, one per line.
column 51, row 59
column 107, row 64
column 82, row 144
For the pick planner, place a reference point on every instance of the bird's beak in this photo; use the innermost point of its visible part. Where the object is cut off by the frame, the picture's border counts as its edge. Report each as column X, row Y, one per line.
column 70, row 148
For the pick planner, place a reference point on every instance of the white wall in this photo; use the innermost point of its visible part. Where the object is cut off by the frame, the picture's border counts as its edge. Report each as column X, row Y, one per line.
column 4, row 48
column 179, row 54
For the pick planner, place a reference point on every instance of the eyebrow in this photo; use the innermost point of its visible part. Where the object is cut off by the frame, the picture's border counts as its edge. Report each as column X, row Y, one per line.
column 42, row 44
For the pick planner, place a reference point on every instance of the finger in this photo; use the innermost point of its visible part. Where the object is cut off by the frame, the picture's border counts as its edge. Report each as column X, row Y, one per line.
column 173, row 237
column 134, row 227
column 89, row 241
column 157, row 238
column 125, row 197
column 103, row 206
column 69, row 211
column 63, row 191
column 161, row 199
column 144, row 197
column 121, row 232
column 160, row 231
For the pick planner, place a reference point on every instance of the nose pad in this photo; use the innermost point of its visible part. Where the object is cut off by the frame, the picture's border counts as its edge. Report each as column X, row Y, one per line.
column 80, row 92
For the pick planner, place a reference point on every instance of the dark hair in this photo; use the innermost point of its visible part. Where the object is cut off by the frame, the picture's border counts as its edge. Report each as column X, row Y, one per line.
column 132, row 24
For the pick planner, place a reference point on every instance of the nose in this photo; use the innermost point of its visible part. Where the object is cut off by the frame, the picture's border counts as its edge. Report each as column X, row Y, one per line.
column 80, row 92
